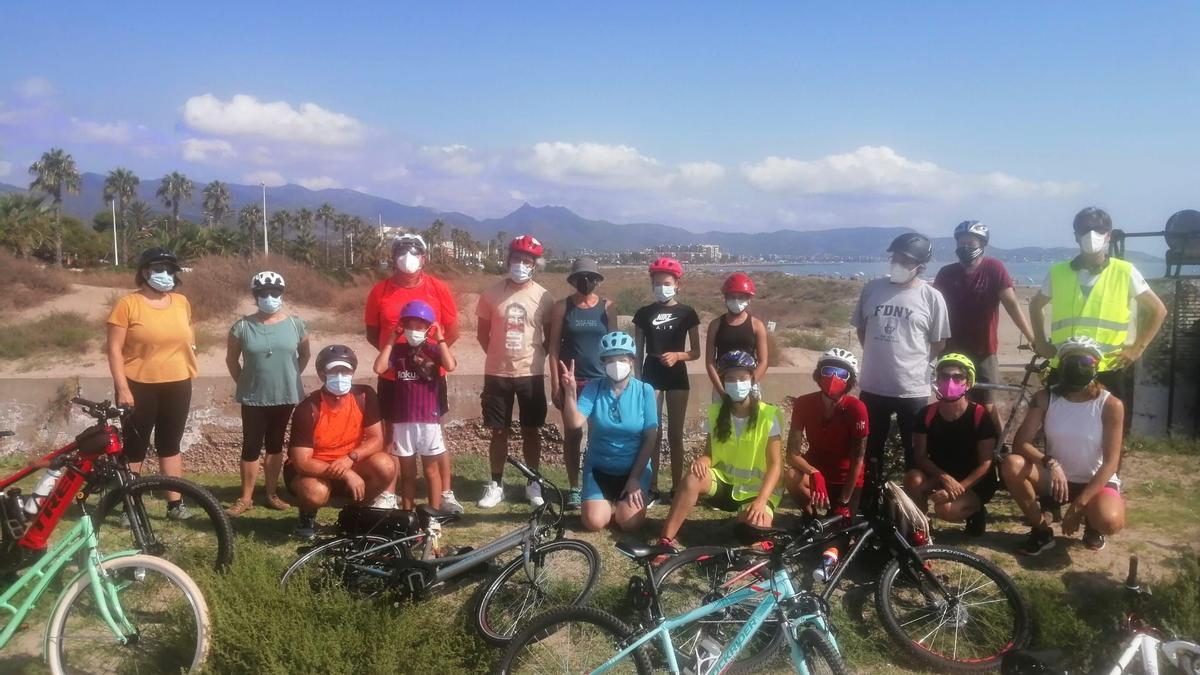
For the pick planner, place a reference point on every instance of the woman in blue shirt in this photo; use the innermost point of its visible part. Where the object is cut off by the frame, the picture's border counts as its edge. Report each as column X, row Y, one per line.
column 622, row 422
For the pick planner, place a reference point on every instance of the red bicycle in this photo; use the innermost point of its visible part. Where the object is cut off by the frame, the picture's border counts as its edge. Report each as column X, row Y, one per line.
column 126, row 499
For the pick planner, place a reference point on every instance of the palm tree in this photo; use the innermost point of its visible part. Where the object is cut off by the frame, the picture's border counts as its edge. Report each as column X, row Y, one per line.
column 174, row 190
column 223, row 241
column 501, row 240
column 139, row 221
column 121, row 186
column 216, row 202
column 434, row 237
column 25, row 222
column 52, row 174
column 249, row 220
column 326, row 214
column 279, row 223
column 304, row 248
column 342, row 224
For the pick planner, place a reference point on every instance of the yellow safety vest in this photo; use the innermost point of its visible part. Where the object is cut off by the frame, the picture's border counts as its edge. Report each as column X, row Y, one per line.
column 741, row 461
column 1103, row 315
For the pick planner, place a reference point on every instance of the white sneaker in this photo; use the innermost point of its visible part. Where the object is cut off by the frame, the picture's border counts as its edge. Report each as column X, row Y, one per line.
column 493, row 494
column 533, row 492
column 386, row 500
column 449, row 503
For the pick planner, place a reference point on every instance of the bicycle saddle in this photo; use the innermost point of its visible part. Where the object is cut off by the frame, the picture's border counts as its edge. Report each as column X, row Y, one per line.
column 640, row 552
column 748, row 534
column 428, row 513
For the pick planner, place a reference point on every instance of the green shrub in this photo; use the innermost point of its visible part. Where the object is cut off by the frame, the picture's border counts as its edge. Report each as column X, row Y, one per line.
column 58, row 332
column 808, row 340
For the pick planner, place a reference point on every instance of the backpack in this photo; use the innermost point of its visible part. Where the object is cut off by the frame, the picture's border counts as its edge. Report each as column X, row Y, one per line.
column 931, row 412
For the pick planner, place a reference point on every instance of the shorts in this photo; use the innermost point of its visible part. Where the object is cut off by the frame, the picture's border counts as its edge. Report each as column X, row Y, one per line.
column 417, row 438
column 720, row 496
column 499, row 393
column 599, row 484
column 662, row 378
column 987, row 371
column 337, row 488
column 1073, row 490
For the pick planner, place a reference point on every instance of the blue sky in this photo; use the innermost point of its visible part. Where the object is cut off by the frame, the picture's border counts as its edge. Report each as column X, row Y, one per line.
column 706, row 115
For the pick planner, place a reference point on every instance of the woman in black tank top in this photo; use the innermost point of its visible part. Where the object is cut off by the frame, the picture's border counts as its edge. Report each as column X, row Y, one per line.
column 736, row 330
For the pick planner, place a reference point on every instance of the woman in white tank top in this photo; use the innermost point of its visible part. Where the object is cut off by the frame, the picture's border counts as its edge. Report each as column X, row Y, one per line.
column 1083, row 428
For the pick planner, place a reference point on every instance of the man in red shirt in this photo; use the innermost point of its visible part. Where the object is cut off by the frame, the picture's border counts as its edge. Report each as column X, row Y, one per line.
column 830, row 475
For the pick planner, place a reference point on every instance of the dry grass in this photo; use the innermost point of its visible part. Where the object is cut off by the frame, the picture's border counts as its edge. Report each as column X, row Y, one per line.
column 28, row 284
column 109, row 277
column 59, row 332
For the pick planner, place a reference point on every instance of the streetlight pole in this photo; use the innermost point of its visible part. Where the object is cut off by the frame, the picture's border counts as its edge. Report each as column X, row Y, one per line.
column 266, row 242
column 116, row 261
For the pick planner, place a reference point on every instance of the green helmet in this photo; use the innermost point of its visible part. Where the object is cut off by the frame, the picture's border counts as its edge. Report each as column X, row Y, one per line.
column 959, row 360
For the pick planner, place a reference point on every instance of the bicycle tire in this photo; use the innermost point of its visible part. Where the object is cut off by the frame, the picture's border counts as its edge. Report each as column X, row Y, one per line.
column 486, row 594
column 819, row 650
column 331, row 551
column 113, row 503
column 1017, row 635
column 57, row 630
column 533, row 639
column 751, row 659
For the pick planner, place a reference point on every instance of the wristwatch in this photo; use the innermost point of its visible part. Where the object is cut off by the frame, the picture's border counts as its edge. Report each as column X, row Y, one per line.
column 1049, row 462
column 354, row 456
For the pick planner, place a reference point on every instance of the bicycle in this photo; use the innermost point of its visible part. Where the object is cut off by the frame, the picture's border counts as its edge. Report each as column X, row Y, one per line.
column 1025, row 393
column 146, row 607
column 405, row 561
column 557, row 638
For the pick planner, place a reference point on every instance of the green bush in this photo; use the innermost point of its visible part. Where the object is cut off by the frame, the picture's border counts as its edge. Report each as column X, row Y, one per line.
column 57, row 332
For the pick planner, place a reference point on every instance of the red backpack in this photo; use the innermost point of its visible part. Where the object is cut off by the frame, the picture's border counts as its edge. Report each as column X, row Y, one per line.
column 931, row 412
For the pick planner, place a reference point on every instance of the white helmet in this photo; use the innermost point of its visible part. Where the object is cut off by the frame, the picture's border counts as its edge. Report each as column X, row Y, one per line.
column 267, row 280
column 842, row 356
column 410, row 238
column 972, row 227
column 1081, row 343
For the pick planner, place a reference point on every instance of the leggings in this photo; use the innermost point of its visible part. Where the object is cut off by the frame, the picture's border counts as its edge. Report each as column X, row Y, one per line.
column 161, row 407
column 264, row 425
column 879, row 422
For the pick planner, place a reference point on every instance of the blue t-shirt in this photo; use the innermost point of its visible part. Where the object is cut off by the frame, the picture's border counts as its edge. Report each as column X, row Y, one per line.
column 615, row 424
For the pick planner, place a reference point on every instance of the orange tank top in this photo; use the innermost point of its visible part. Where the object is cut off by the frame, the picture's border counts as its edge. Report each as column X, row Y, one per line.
column 339, row 429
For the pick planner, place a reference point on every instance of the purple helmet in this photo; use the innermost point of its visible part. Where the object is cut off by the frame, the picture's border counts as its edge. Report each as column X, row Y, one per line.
column 417, row 309
column 736, row 359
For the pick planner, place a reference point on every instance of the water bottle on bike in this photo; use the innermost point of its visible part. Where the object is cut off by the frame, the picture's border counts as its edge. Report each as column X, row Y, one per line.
column 829, row 561
column 42, row 490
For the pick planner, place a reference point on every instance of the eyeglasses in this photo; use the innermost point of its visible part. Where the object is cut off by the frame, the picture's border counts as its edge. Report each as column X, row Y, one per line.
column 957, row 377
column 273, row 293
column 614, row 411
column 834, row 371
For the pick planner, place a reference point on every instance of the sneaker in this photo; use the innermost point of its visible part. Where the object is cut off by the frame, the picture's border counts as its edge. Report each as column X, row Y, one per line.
column 533, row 492
column 449, row 503
column 1040, row 539
column 1092, row 539
column 385, row 500
column 977, row 523
column 665, row 498
column 493, row 494
column 238, row 508
column 306, row 527
column 653, row 497
column 277, row 503
column 574, row 499
column 178, row 512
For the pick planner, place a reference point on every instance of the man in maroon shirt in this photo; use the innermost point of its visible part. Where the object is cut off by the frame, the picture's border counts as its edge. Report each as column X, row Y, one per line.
column 974, row 288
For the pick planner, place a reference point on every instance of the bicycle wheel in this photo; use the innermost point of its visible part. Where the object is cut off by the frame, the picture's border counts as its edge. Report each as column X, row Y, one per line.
column 703, row 574
column 971, row 628
column 165, row 607
column 820, row 656
column 327, row 567
column 572, row 640
column 206, row 538
column 564, row 573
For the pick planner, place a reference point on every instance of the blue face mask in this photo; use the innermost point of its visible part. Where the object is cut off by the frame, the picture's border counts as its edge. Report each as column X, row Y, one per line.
column 338, row 385
column 269, row 304
column 738, row 390
column 161, row 281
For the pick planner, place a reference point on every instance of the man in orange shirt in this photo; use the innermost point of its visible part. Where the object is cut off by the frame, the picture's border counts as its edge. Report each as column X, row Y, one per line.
column 336, row 446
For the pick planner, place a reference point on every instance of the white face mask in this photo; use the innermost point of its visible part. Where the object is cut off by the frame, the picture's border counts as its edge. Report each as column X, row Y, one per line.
column 520, row 272
column 415, row 338
column 1093, row 242
column 617, row 371
column 663, row 293
column 408, row 263
column 338, row 385
column 901, row 274
column 269, row 304
column 161, row 281
column 736, row 306
column 738, row 390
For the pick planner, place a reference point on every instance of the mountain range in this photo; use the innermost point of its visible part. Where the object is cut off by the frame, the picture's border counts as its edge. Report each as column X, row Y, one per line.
column 560, row 228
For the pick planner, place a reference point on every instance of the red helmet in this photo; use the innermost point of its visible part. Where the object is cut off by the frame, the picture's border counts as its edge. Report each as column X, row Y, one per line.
column 738, row 282
column 668, row 265
column 526, row 244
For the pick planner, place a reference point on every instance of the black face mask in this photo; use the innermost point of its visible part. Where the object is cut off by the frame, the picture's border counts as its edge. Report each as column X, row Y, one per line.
column 967, row 254
column 1076, row 374
column 585, row 285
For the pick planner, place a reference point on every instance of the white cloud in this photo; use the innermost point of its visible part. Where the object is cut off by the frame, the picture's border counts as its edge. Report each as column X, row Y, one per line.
column 390, row 174
column 207, row 149
column 319, row 183
column 593, row 164
column 880, row 170
column 35, row 87
column 517, row 195
column 5, row 168
column 271, row 178
column 87, row 131
column 245, row 115
column 453, row 159
column 700, row 174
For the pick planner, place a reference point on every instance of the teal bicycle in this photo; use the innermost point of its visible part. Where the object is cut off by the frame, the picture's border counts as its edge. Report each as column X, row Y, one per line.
column 590, row 640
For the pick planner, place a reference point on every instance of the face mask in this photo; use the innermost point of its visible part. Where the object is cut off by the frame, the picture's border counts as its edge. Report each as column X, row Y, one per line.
column 739, row 390
column 663, row 293
column 1093, row 242
column 736, row 306
column 408, row 263
column 901, row 274
column 617, row 371
column 832, row 386
column 949, row 390
column 1077, row 373
column 520, row 272
column 338, row 385
column 161, row 281
column 585, row 285
column 415, row 338
column 967, row 254
column 269, row 304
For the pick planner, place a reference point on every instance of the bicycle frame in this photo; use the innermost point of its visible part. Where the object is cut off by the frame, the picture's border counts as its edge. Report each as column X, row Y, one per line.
column 1024, row 395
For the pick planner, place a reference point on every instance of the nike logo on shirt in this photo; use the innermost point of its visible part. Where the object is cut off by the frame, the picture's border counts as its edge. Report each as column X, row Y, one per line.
column 662, row 319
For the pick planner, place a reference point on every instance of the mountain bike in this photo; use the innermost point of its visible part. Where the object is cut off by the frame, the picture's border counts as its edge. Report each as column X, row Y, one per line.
column 401, row 556
column 122, row 612
column 1024, row 396
column 586, row 639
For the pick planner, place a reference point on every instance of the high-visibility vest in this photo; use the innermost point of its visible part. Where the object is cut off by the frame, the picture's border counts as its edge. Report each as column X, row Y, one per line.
column 1103, row 315
column 741, row 461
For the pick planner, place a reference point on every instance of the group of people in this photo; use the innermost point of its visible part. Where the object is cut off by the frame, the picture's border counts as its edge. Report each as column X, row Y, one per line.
column 350, row 439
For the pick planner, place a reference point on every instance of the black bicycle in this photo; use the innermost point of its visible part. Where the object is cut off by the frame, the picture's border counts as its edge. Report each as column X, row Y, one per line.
column 397, row 553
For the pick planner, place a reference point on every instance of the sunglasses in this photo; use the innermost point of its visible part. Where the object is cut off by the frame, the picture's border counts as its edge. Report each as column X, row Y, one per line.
column 615, row 411
column 272, row 293
column 834, row 371
column 957, row 377
column 1081, row 359
column 160, row 268
column 410, row 248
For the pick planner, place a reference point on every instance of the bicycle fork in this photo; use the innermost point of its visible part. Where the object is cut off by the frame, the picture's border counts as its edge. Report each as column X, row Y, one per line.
column 104, row 590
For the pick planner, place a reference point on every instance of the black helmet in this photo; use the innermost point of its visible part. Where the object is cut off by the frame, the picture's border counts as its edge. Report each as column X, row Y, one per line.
column 335, row 353
column 1092, row 218
column 913, row 245
column 157, row 255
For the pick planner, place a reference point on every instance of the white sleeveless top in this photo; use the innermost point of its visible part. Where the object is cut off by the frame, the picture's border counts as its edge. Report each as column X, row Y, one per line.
column 1075, row 436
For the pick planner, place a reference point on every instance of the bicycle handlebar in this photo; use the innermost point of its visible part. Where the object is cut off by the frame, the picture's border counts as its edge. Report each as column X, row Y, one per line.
column 525, row 471
column 103, row 410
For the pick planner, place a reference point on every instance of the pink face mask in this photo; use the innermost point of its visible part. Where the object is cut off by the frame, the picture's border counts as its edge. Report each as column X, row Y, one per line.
column 950, row 390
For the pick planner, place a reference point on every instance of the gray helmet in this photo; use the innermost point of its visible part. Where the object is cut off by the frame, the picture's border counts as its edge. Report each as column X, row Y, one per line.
column 913, row 245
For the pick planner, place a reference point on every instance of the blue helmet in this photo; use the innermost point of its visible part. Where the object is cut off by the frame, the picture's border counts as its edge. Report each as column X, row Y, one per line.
column 617, row 343
column 736, row 359
column 418, row 309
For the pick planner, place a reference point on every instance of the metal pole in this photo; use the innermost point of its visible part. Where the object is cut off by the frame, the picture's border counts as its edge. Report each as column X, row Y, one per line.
column 116, row 261
column 352, row 248
column 266, row 242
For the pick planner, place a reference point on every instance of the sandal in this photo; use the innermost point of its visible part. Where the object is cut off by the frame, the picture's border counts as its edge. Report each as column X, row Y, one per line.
column 275, row 502
column 239, row 507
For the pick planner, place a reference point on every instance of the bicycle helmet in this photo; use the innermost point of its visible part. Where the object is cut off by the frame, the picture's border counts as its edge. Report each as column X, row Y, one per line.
column 843, row 357
column 962, row 361
column 738, row 282
column 417, row 309
column 736, row 359
column 1081, row 344
column 1093, row 218
column 526, row 244
column 410, row 239
column 617, row 344
column 336, row 355
column 667, row 265
column 157, row 254
column 265, row 280
column 972, row 227
column 913, row 245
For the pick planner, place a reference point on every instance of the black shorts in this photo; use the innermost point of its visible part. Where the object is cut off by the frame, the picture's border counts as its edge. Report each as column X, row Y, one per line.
column 987, row 371
column 611, row 485
column 662, row 378
column 498, row 396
